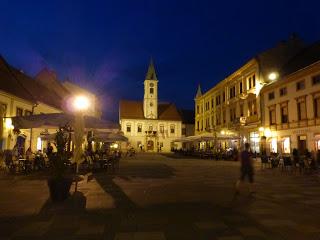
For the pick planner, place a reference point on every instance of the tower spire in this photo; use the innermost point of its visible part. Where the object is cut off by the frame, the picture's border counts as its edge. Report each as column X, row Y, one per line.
column 151, row 73
column 199, row 92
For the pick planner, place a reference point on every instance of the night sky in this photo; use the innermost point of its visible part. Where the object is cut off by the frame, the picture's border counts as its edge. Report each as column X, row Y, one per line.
column 106, row 45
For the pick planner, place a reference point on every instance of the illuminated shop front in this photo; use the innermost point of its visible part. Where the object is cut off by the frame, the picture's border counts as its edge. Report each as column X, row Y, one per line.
column 317, row 142
column 274, row 145
column 255, row 141
column 286, row 145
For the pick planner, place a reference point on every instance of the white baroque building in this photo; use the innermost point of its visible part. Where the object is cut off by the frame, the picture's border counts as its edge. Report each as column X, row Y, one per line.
column 149, row 125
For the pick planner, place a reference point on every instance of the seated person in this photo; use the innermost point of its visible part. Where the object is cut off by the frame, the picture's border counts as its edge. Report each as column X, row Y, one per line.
column 28, row 153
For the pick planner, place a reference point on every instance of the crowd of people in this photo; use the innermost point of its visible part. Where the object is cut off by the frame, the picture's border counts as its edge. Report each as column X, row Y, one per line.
column 301, row 160
column 18, row 160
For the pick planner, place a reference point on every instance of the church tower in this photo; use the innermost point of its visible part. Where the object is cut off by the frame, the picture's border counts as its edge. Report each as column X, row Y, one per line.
column 150, row 100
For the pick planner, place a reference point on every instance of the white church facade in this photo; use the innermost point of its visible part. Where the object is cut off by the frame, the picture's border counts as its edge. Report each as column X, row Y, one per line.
column 149, row 125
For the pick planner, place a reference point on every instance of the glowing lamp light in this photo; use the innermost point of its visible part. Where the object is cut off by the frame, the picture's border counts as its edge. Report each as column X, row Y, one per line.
column 267, row 133
column 273, row 76
column 261, row 129
column 223, row 132
column 8, row 123
column 115, row 145
column 81, row 103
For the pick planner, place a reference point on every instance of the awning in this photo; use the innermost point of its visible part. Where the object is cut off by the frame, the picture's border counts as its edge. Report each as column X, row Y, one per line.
column 205, row 138
column 59, row 120
column 51, row 137
column 182, row 139
column 109, row 137
column 317, row 137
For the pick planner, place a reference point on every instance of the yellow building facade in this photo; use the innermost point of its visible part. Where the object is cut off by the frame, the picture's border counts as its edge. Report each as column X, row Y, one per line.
column 231, row 110
column 150, row 125
column 291, row 115
column 22, row 95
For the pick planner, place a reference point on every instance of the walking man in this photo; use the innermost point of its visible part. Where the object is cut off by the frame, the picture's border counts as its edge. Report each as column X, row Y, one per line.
column 246, row 168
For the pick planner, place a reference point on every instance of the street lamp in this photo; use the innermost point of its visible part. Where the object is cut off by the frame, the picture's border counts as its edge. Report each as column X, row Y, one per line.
column 80, row 105
column 273, row 76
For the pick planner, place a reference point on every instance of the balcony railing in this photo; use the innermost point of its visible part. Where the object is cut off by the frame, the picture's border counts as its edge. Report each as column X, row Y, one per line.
column 151, row 133
column 251, row 119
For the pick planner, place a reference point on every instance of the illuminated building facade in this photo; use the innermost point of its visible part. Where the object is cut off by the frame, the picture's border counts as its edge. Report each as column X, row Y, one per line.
column 149, row 125
column 231, row 110
column 22, row 95
column 291, row 113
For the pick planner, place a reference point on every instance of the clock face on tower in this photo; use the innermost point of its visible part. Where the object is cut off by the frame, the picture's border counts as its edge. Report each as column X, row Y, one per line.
column 151, row 84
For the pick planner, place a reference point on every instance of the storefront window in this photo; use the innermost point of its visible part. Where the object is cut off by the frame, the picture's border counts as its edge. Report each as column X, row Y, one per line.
column 39, row 143
column 255, row 141
column 274, row 147
column 286, row 145
column 318, row 144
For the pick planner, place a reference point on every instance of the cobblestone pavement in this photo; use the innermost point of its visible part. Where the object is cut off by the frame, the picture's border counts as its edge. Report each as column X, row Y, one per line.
column 157, row 197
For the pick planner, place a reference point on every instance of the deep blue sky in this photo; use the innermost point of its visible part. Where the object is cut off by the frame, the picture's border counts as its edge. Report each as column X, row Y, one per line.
column 106, row 45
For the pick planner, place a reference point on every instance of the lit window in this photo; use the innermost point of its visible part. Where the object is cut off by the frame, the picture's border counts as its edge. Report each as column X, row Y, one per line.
column 286, row 145
column 274, row 145
column 162, row 128
column 39, row 143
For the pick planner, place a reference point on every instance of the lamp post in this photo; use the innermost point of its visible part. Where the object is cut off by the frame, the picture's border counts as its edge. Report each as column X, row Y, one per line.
column 80, row 105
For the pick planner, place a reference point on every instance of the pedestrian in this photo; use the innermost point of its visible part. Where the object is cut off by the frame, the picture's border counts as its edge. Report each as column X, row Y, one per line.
column 49, row 150
column 246, row 169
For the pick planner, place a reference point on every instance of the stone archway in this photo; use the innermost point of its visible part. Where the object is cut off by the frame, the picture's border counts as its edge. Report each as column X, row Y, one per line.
column 150, row 145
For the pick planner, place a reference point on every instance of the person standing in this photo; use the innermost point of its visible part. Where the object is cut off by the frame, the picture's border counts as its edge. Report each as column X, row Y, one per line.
column 246, row 169
column 49, row 150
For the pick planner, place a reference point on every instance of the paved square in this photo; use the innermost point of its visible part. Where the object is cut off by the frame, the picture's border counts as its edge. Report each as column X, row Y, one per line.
column 157, row 197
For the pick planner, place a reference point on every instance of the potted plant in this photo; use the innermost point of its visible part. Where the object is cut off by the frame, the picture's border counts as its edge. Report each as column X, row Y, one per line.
column 59, row 183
